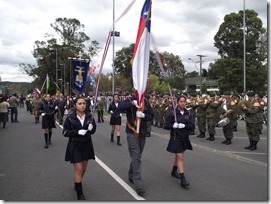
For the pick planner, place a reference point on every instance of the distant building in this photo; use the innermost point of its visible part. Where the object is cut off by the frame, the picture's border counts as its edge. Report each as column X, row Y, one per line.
column 193, row 84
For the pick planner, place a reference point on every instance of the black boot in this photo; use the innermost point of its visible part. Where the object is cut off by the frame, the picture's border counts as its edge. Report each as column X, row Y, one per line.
column 175, row 173
column 199, row 134
column 250, row 145
column 208, row 138
column 112, row 138
column 225, row 141
column 4, row 125
column 46, row 140
column 184, row 182
column 228, row 142
column 254, row 146
column 212, row 138
column 118, row 141
column 202, row 135
column 79, row 190
column 50, row 136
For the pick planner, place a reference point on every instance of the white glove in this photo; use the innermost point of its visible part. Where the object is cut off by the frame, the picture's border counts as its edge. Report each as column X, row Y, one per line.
column 120, row 114
column 90, row 126
column 135, row 103
column 140, row 114
column 111, row 111
column 181, row 125
column 82, row 132
column 43, row 114
column 175, row 125
column 56, row 108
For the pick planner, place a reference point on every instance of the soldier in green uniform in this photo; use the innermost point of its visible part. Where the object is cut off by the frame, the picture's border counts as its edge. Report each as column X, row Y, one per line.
column 201, row 107
column 236, row 99
column 192, row 109
column 211, row 116
column 253, row 120
column 228, row 110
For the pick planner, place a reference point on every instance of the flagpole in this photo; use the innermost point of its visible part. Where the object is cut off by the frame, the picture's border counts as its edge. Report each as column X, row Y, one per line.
column 46, row 84
column 43, row 84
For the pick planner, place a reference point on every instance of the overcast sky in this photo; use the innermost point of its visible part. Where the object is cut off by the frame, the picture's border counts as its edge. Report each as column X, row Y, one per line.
column 182, row 27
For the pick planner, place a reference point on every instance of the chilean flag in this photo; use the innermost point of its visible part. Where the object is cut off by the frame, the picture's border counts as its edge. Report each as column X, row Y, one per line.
column 141, row 54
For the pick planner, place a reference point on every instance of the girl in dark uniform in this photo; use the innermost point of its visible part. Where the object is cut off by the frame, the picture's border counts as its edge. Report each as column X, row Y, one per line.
column 115, row 119
column 79, row 126
column 180, row 123
column 47, row 110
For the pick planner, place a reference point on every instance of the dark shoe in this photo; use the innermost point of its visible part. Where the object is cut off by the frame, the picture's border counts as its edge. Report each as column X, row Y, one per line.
column 140, row 192
column 119, row 144
column 224, row 141
column 212, row 139
column 202, row 135
column 49, row 143
column 46, row 146
column 249, row 146
column 254, row 146
column 81, row 197
column 184, row 183
column 175, row 174
column 131, row 180
column 208, row 138
column 228, row 142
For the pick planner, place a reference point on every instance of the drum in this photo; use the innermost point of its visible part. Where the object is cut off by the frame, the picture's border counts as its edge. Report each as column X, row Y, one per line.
column 223, row 122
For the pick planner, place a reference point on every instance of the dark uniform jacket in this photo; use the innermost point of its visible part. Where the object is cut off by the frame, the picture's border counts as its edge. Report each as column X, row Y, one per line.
column 131, row 115
column 176, row 133
column 72, row 125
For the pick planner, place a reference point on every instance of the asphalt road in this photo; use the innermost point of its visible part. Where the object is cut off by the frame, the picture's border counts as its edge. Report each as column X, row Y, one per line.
column 216, row 172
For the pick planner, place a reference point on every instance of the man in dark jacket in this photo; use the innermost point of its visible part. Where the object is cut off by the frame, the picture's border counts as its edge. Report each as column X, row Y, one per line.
column 136, row 141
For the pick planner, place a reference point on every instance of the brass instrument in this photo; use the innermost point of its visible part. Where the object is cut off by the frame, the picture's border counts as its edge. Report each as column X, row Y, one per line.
column 240, row 106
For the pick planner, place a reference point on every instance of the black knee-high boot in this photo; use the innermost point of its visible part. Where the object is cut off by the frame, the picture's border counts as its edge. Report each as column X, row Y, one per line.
column 79, row 190
column 50, row 136
column 46, row 140
column 118, row 141
column 112, row 138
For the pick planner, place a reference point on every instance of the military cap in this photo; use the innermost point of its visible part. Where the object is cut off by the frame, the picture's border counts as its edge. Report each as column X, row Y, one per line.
column 193, row 94
column 251, row 94
column 227, row 93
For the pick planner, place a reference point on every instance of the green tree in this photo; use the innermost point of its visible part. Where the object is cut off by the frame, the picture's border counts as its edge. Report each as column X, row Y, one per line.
column 229, row 41
column 172, row 65
column 54, row 52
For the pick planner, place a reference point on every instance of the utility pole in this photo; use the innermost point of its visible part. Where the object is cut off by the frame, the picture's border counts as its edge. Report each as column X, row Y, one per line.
column 244, row 34
column 200, row 71
column 113, row 66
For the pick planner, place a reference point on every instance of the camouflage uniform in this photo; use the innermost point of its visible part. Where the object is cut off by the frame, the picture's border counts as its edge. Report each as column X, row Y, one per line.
column 230, row 114
column 201, row 118
column 211, row 117
column 254, row 121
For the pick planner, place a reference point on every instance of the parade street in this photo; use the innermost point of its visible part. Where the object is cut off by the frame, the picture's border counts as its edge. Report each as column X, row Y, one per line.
column 216, row 172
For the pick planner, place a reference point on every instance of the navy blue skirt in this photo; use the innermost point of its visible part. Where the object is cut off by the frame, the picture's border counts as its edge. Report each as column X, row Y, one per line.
column 79, row 151
column 178, row 146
